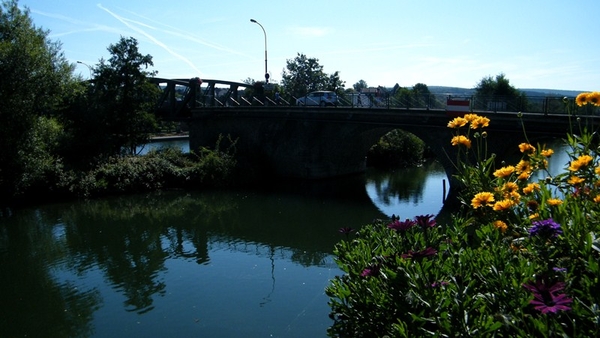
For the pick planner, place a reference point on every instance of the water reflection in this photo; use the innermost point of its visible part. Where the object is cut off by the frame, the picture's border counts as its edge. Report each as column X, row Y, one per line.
column 227, row 263
column 408, row 192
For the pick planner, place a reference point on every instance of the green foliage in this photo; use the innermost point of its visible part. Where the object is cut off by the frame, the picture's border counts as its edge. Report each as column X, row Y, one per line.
column 418, row 96
column 497, row 93
column 123, row 98
column 396, row 149
column 158, row 170
column 35, row 79
column 360, row 85
column 519, row 260
column 304, row 75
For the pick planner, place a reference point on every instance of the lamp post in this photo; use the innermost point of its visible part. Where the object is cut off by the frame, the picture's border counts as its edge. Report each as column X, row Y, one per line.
column 88, row 67
column 265, row 33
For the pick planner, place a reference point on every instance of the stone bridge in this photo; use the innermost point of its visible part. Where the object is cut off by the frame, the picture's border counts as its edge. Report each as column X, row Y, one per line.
column 315, row 143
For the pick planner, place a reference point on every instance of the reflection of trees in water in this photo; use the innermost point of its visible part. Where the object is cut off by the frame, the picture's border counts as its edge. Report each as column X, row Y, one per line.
column 32, row 302
column 405, row 185
column 128, row 239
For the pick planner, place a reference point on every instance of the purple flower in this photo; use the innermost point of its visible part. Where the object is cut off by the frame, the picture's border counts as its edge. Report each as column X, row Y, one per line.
column 370, row 271
column 557, row 269
column 346, row 230
column 402, row 225
column 547, row 229
column 439, row 284
column 428, row 252
column 425, row 221
column 548, row 298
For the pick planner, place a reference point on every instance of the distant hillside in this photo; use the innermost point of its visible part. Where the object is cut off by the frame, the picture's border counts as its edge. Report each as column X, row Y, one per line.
column 529, row 92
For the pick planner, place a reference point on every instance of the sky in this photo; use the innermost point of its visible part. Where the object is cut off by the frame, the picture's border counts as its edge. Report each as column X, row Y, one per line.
column 537, row 44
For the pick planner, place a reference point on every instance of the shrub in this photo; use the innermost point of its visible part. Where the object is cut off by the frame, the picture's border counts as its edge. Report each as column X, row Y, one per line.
column 396, row 149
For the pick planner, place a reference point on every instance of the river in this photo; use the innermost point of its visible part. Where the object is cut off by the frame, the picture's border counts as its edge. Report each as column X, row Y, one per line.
column 227, row 263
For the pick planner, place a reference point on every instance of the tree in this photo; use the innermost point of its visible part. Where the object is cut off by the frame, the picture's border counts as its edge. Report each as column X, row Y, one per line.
column 360, row 85
column 123, row 98
column 421, row 95
column 498, row 93
column 35, row 78
column 304, row 75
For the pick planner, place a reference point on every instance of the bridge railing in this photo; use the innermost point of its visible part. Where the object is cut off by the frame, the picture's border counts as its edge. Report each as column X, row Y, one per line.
column 180, row 96
column 530, row 104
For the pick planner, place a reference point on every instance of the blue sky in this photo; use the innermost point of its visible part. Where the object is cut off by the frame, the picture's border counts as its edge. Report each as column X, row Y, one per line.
column 536, row 44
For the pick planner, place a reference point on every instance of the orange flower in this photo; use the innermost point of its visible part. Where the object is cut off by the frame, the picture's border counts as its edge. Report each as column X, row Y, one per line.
column 457, row 122
column 581, row 99
column 482, row 199
column 526, row 148
column 503, row 205
column 574, row 180
column 500, row 226
column 504, row 171
column 580, row 162
column 554, row 202
column 523, row 167
column 461, row 139
column 480, row 122
column 471, row 117
column 531, row 187
column 547, row 152
column 594, row 98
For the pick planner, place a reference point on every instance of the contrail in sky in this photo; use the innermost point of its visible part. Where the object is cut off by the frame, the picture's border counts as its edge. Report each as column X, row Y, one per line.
column 157, row 42
column 187, row 35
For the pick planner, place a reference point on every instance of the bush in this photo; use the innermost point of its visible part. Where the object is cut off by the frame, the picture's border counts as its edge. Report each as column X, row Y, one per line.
column 159, row 169
column 396, row 149
column 521, row 259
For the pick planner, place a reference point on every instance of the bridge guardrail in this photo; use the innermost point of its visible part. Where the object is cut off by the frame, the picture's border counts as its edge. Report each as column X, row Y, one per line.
column 181, row 96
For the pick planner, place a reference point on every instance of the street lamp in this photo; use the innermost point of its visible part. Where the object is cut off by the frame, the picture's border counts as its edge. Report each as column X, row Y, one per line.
column 88, row 67
column 265, row 33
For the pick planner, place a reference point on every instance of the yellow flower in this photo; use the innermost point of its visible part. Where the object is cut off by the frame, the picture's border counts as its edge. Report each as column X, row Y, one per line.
column 554, row 202
column 574, row 180
column 461, row 139
column 526, row 148
column 581, row 162
column 471, row 117
column 594, row 98
column 457, row 122
column 523, row 167
column 509, row 190
column 531, row 187
column 597, row 199
column 500, row 226
column 523, row 176
column 480, row 122
column 534, row 216
column 597, row 170
column 581, row 99
column 503, row 205
column 504, row 171
column 482, row 199
column 547, row 152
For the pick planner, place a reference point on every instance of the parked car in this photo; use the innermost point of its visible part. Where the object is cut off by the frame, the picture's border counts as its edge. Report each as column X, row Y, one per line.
column 320, row 98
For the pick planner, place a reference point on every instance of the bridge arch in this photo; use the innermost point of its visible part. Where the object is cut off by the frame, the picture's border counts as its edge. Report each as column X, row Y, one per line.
column 316, row 143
